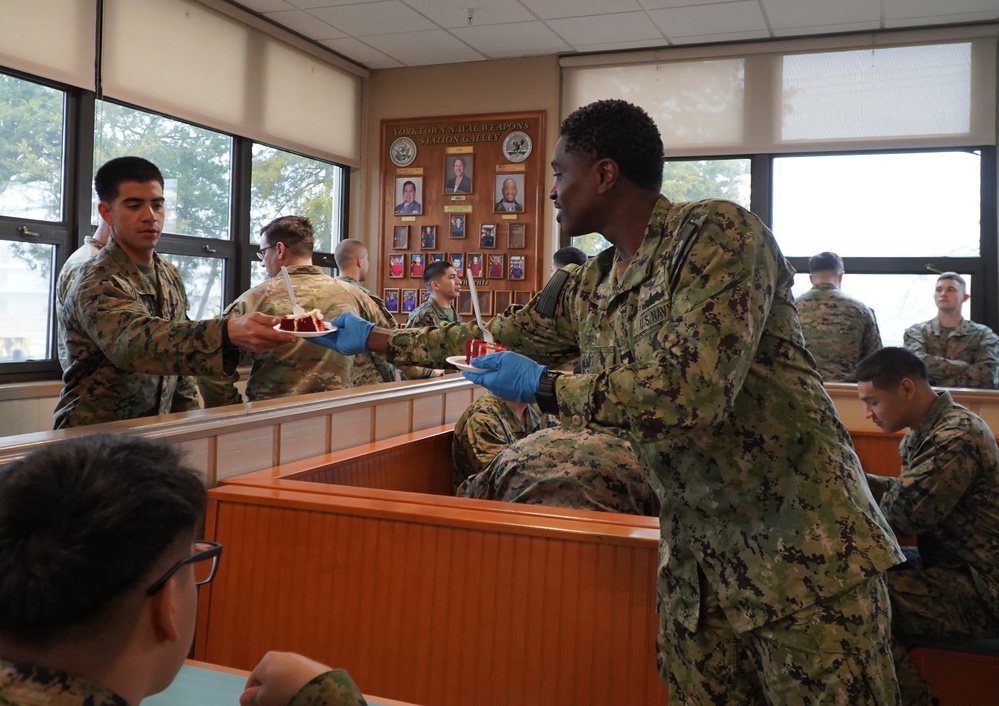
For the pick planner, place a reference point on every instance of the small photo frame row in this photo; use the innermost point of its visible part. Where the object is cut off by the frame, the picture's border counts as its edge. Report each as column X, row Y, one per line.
column 508, row 188
column 457, row 223
column 405, row 301
column 474, row 264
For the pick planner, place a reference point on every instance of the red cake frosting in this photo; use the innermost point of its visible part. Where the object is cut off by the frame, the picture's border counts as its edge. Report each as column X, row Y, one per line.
column 475, row 347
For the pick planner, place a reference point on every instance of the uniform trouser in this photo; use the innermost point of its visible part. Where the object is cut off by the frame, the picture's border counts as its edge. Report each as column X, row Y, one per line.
column 837, row 651
column 933, row 602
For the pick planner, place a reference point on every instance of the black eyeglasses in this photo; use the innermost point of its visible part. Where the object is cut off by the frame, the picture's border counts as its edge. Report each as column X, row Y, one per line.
column 261, row 251
column 205, row 561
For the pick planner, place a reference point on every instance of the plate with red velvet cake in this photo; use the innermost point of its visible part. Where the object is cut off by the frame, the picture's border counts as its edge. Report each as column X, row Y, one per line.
column 474, row 348
column 307, row 325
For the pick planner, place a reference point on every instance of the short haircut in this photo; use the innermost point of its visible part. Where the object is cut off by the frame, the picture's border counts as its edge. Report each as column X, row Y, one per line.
column 434, row 271
column 954, row 276
column 824, row 262
column 296, row 232
column 82, row 521
column 620, row 131
column 348, row 249
column 569, row 255
column 121, row 169
column 408, row 183
column 886, row 368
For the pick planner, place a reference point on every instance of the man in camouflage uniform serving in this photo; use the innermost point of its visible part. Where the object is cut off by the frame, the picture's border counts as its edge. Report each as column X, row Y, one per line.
column 129, row 343
column 771, row 581
column 947, row 496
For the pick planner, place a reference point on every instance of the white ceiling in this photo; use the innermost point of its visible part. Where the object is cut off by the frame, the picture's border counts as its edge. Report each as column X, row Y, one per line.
column 383, row 34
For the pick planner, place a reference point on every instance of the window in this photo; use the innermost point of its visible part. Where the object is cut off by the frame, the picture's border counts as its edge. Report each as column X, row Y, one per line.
column 921, row 204
column 196, row 164
column 203, row 279
column 26, row 286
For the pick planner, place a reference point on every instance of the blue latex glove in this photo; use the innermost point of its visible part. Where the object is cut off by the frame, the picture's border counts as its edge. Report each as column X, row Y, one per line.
column 351, row 336
column 511, row 376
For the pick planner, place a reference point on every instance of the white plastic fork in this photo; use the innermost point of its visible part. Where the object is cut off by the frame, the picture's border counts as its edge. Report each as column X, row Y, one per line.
column 486, row 335
column 295, row 308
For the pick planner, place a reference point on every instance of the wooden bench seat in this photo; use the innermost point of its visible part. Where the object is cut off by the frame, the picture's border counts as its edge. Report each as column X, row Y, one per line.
column 960, row 671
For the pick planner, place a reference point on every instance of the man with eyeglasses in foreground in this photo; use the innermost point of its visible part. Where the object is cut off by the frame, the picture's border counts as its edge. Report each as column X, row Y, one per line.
column 98, row 569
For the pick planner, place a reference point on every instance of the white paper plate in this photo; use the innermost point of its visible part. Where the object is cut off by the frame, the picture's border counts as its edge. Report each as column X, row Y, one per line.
column 458, row 361
column 308, row 334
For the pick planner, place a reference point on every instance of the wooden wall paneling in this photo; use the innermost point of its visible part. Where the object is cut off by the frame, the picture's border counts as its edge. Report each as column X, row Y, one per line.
column 878, row 452
column 426, row 607
column 303, row 438
column 393, row 419
column 352, row 428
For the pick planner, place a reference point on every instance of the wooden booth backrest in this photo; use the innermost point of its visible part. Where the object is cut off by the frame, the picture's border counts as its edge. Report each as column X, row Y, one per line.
column 454, row 601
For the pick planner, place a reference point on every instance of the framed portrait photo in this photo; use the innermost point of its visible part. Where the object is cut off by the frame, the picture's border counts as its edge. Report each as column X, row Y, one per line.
column 474, row 264
column 517, row 237
column 456, row 223
column 428, row 237
column 417, row 262
column 397, row 266
column 487, row 235
column 517, row 265
column 495, row 264
column 508, row 197
column 503, row 299
column 435, row 257
column 424, row 295
column 465, row 303
column 485, row 302
column 523, row 297
column 408, row 301
column 408, row 196
column 457, row 260
column 400, row 238
column 392, row 300
column 458, row 174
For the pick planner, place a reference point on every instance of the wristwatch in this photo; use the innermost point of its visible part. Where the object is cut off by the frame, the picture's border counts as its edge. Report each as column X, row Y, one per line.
column 545, row 396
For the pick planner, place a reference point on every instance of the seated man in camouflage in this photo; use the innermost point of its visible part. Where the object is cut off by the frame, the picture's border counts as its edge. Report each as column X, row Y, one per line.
column 839, row 330
column 583, row 469
column 298, row 369
column 99, row 568
column 486, row 427
column 957, row 352
column 947, row 496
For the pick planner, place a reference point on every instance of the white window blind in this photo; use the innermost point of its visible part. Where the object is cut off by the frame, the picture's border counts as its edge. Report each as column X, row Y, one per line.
column 207, row 67
column 53, row 39
column 930, row 88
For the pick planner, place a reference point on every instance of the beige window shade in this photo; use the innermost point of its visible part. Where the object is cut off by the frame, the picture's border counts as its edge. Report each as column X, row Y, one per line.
column 53, row 39
column 207, row 67
column 853, row 92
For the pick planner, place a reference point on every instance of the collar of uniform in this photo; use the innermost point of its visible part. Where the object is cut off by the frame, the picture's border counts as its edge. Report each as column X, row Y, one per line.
column 824, row 286
column 113, row 252
column 915, row 436
column 962, row 329
column 642, row 262
column 303, row 270
column 29, row 684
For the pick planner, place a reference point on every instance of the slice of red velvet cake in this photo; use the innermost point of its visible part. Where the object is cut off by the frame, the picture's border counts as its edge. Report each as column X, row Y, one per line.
column 309, row 321
column 475, row 347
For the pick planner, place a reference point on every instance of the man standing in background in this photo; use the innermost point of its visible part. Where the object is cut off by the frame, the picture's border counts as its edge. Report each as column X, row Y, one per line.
column 839, row 330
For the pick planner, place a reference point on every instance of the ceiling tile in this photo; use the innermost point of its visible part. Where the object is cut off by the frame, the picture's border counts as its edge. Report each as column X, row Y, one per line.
column 550, row 9
column 948, row 19
column 623, row 46
column 302, row 22
column 453, row 13
column 828, row 29
column 621, row 27
column 358, row 51
column 710, row 20
column 435, row 46
column 721, row 38
column 817, row 13
column 310, row 4
column 660, row 4
column 360, row 20
column 949, row 10
column 519, row 39
column 265, row 5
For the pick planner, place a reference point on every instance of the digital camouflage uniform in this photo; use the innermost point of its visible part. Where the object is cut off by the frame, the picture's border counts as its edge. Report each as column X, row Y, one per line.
column 430, row 313
column 486, row 427
column 301, row 367
column 770, row 536
column 948, row 497
column 839, row 331
column 25, row 685
column 567, row 468
column 130, row 344
column 966, row 356
column 374, row 368
column 83, row 254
